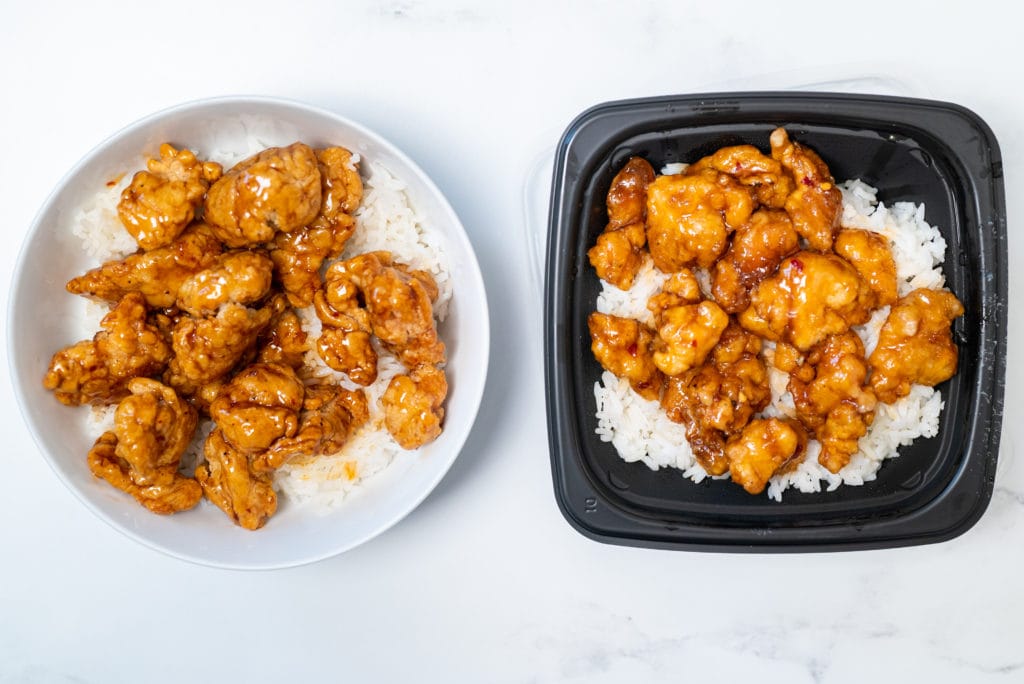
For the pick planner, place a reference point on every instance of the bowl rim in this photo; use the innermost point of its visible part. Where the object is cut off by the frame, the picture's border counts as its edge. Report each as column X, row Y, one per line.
column 471, row 270
column 583, row 500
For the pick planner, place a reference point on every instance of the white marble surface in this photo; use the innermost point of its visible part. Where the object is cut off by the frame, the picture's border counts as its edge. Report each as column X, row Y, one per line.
column 485, row 582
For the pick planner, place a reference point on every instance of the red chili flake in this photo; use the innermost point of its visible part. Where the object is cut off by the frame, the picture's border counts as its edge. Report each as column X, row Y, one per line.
column 736, row 169
column 797, row 264
column 809, row 182
column 693, row 343
column 632, row 349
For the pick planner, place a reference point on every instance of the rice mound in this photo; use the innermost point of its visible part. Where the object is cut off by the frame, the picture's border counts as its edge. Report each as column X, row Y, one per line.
column 385, row 220
column 640, row 431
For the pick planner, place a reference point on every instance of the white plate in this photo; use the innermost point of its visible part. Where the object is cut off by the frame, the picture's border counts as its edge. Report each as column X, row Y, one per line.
column 43, row 317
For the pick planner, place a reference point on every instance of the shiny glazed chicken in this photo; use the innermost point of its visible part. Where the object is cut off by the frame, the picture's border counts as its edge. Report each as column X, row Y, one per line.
column 204, row 327
column 755, row 252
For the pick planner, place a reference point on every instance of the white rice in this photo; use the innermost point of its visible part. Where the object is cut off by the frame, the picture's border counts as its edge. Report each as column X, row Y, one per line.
column 640, row 431
column 632, row 303
column 918, row 248
column 386, row 220
column 98, row 226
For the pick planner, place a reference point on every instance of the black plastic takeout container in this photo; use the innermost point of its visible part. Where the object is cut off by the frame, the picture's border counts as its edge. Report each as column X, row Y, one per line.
column 915, row 150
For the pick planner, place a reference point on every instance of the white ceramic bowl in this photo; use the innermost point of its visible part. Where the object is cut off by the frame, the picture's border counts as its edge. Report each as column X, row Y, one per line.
column 43, row 317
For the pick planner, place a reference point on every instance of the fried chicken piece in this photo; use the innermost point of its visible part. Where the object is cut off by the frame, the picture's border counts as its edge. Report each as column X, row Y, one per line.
column 915, row 345
column 97, row 371
column 230, row 483
column 765, row 176
column 164, row 320
column 156, row 274
column 720, row 397
column 739, row 381
column 346, row 281
column 869, row 253
column 152, row 429
column 298, row 256
column 206, row 349
column 810, row 297
column 162, row 201
column 763, row 449
column 260, row 405
column 239, row 276
column 129, row 346
column 284, row 340
column 623, row 347
column 204, row 395
column 841, row 433
column 179, row 494
column 413, row 406
column 735, row 344
column 330, row 416
column 627, row 195
column 78, row 375
column 343, row 287
column 688, row 332
column 786, row 357
column 345, row 341
column 350, row 352
column 681, row 401
column 684, row 400
column 401, row 314
column 425, row 278
column 680, row 289
column 689, row 217
column 199, row 396
column 816, row 203
column 341, row 188
column 618, row 254
column 832, row 398
column 757, row 249
column 278, row 189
